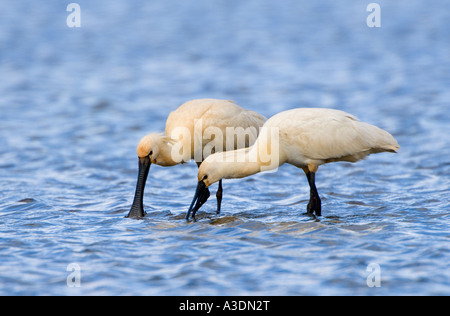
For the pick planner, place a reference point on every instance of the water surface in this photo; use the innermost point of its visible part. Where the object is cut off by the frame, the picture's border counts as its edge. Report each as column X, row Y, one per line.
column 75, row 102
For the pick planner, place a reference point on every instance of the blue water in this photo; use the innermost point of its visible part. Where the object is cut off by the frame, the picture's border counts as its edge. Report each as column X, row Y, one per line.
column 74, row 103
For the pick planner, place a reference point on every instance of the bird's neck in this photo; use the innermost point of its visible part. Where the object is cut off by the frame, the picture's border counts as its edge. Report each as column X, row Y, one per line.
column 239, row 164
column 166, row 157
column 267, row 151
column 249, row 161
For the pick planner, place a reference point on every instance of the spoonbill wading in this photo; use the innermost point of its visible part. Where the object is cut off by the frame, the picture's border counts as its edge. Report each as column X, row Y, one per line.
column 305, row 138
column 179, row 144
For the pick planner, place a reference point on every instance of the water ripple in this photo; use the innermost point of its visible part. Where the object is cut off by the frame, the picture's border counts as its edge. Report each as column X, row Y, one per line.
column 76, row 102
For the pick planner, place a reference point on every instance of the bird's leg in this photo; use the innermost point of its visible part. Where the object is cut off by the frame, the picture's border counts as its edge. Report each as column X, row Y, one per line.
column 314, row 195
column 315, row 204
column 312, row 203
column 219, row 195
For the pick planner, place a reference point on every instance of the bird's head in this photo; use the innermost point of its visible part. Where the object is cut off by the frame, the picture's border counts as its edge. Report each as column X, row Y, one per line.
column 148, row 152
column 212, row 170
column 149, row 146
column 209, row 172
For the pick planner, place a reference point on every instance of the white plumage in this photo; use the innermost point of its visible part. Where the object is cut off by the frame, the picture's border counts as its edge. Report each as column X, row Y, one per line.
column 317, row 136
column 305, row 138
column 201, row 116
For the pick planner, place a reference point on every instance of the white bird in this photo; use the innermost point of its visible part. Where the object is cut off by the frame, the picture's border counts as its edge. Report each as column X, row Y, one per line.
column 186, row 137
column 306, row 138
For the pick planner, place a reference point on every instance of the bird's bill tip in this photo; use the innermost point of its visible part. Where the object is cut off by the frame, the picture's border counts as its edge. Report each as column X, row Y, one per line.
column 136, row 211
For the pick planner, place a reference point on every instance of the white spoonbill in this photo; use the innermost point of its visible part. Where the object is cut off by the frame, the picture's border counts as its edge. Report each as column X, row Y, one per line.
column 179, row 144
column 305, row 138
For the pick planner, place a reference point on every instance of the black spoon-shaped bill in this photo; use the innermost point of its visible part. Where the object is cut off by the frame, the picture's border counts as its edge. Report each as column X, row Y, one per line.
column 137, row 209
column 201, row 196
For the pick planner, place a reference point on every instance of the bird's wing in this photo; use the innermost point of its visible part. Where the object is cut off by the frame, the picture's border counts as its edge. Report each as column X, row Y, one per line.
column 325, row 134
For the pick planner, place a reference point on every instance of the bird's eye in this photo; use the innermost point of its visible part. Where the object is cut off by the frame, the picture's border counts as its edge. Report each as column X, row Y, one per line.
column 151, row 153
column 205, row 177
